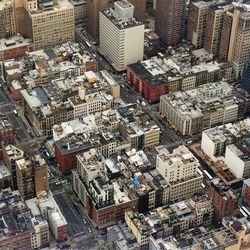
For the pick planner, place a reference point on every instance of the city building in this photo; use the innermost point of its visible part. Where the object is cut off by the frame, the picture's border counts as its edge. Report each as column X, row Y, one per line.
column 7, row 19
column 5, row 176
column 228, row 144
column 214, row 25
column 225, row 201
column 14, row 47
column 170, row 20
column 199, row 238
column 181, row 171
column 45, row 207
column 25, row 178
column 6, row 129
column 10, row 155
column 121, row 36
column 80, row 11
column 245, row 80
column 246, row 192
column 170, row 220
column 239, row 41
column 93, row 9
column 178, row 69
column 59, row 18
column 15, row 221
column 140, row 9
column 197, row 22
column 208, row 105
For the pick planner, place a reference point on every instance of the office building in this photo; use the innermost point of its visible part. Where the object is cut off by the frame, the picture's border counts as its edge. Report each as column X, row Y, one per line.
column 93, row 9
column 180, row 170
column 197, row 22
column 7, row 19
column 121, row 36
column 49, row 23
column 170, row 20
column 80, row 11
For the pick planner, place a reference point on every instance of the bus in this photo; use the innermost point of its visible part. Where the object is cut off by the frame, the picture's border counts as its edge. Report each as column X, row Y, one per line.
column 88, row 44
column 208, row 175
column 245, row 210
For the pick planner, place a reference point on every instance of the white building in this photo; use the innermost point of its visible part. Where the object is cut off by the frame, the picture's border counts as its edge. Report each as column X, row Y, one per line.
column 180, row 170
column 84, row 105
column 121, row 36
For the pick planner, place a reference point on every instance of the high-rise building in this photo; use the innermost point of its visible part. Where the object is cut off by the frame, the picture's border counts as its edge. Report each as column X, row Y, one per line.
column 93, row 8
column 170, row 20
column 48, row 23
column 7, row 18
column 140, row 9
column 214, row 26
column 32, row 176
column 121, row 36
column 241, row 50
column 25, row 178
column 197, row 21
column 245, row 80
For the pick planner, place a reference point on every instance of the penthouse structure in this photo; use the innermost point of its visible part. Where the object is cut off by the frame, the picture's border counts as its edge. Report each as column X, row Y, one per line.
column 204, row 107
column 121, row 36
column 180, row 170
column 170, row 220
column 60, row 23
column 178, row 70
column 230, row 144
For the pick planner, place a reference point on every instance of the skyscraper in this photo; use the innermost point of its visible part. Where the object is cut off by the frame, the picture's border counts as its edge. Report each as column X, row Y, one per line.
column 93, row 8
column 170, row 20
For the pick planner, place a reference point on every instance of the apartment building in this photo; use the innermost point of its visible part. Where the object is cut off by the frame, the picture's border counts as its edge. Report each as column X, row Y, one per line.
column 49, row 24
column 180, row 170
column 121, row 36
column 204, row 107
column 7, row 19
column 170, row 20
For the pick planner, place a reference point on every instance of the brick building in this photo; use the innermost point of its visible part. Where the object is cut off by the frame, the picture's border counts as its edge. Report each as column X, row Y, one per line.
column 224, row 199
